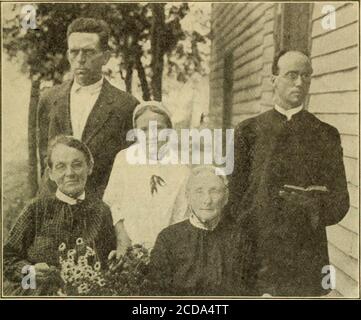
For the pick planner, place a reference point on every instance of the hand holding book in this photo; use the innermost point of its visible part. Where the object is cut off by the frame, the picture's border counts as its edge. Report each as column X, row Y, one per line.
column 307, row 198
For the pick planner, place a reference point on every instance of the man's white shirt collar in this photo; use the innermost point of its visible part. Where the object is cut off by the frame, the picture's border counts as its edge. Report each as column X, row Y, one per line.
column 93, row 88
column 288, row 113
column 69, row 200
column 82, row 101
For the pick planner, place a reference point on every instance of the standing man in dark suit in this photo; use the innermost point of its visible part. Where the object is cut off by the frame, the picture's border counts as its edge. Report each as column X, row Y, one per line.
column 89, row 107
column 289, row 184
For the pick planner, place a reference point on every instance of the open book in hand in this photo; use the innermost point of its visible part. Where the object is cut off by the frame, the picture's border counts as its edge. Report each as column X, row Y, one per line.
column 291, row 188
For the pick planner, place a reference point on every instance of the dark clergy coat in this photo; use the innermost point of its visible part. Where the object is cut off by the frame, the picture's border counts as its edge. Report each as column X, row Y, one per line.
column 46, row 223
column 189, row 261
column 269, row 153
column 104, row 133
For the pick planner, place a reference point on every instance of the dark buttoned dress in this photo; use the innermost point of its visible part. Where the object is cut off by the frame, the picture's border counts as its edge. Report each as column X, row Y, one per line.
column 43, row 226
column 189, row 261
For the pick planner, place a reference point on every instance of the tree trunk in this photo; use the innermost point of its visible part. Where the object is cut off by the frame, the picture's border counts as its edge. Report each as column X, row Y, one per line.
column 157, row 50
column 32, row 141
column 129, row 77
column 142, row 77
column 129, row 63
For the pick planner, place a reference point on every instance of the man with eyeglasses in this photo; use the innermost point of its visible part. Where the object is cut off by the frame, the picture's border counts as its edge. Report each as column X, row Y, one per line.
column 288, row 185
column 88, row 107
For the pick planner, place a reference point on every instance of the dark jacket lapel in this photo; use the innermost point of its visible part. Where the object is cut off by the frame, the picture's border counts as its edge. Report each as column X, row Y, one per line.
column 62, row 103
column 99, row 114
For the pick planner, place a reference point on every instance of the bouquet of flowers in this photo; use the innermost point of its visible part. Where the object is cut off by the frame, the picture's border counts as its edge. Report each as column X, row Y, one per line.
column 82, row 273
column 80, row 270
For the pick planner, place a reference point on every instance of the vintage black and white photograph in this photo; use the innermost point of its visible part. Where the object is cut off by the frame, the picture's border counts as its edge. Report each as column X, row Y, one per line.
column 180, row 149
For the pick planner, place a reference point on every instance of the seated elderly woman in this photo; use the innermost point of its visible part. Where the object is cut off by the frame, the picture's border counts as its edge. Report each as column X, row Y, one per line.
column 205, row 254
column 146, row 196
column 50, row 221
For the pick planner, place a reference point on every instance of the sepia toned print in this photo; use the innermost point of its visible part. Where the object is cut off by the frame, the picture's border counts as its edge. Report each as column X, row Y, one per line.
column 183, row 149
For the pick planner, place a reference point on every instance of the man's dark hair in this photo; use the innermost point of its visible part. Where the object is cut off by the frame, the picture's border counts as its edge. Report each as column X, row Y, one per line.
column 90, row 25
column 72, row 143
column 277, row 57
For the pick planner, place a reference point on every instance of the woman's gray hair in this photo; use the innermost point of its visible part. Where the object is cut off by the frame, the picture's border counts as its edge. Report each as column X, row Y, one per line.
column 206, row 168
column 71, row 142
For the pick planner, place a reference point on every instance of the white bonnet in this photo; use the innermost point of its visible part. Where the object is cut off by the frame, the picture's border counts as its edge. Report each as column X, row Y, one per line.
column 154, row 104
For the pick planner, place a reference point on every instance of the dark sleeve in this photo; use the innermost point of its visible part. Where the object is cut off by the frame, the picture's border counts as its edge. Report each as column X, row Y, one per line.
column 160, row 268
column 334, row 204
column 249, row 263
column 238, row 179
column 127, row 122
column 107, row 240
column 54, row 127
column 20, row 239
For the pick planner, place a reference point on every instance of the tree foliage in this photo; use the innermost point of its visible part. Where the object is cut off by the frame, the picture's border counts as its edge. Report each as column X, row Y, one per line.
column 142, row 34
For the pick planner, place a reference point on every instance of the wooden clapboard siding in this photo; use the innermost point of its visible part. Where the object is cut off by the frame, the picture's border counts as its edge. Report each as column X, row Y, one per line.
column 334, row 98
column 334, row 102
column 345, row 80
column 351, row 220
column 344, row 240
column 247, row 31
column 344, row 262
column 351, row 167
column 339, row 39
column 245, row 108
column 347, row 124
column 345, row 285
column 243, row 96
column 345, row 14
column 350, row 146
column 352, row 172
column 354, row 194
column 335, row 61
column 317, row 12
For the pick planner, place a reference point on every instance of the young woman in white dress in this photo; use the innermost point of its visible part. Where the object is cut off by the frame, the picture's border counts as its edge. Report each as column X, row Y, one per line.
column 145, row 198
